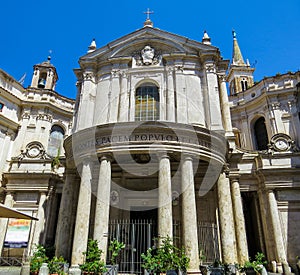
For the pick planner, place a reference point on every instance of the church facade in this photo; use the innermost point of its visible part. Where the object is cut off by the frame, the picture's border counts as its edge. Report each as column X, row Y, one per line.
column 154, row 146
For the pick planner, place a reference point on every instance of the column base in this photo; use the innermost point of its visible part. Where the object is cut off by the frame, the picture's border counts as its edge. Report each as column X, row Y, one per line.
column 74, row 270
column 25, row 268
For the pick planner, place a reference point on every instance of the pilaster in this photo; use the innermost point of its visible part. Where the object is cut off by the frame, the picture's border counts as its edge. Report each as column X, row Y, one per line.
column 213, row 95
column 9, row 202
column 181, row 95
column 225, row 105
column 40, row 224
column 114, row 93
column 124, row 100
column 87, row 101
column 170, row 95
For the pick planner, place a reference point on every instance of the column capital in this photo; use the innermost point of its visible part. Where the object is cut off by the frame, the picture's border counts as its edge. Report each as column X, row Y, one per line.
column 107, row 157
column 71, row 172
column 234, row 176
column 187, row 156
column 86, row 161
column 222, row 77
column 163, row 154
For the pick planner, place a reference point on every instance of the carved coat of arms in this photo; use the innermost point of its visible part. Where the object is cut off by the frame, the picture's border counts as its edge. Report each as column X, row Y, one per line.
column 147, row 56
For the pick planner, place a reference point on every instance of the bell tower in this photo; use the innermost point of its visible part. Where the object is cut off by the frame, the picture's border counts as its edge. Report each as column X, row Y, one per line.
column 44, row 75
column 240, row 76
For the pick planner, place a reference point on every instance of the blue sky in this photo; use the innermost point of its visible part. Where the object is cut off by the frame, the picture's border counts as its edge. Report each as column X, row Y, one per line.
column 267, row 31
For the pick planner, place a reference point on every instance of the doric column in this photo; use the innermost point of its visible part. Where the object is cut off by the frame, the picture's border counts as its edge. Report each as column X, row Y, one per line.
column 278, row 239
column 102, row 204
column 189, row 214
column 228, row 241
column 240, row 229
column 83, row 214
column 40, row 224
column 170, row 96
column 63, row 232
column 9, row 202
column 165, row 223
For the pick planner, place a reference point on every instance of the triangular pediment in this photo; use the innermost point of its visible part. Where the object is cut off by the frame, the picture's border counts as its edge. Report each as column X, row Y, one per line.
column 164, row 42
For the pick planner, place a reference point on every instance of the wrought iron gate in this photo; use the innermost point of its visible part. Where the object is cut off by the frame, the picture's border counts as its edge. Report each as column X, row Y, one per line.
column 208, row 242
column 138, row 236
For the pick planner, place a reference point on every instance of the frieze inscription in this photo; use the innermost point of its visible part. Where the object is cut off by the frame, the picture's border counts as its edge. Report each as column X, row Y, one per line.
column 141, row 137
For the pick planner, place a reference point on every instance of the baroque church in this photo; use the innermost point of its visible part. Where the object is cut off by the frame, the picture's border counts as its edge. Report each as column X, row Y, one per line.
column 165, row 138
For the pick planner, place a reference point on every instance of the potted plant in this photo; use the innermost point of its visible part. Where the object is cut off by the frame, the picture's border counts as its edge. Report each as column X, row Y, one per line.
column 256, row 266
column 216, row 268
column 56, row 265
column 183, row 261
column 38, row 257
column 115, row 248
column 167, row 258
column 151, row 261
column 93, row 263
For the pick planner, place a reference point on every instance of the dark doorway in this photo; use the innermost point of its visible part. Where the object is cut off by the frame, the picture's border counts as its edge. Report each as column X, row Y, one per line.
column 138, row 213
column 252, row 221
column 144, row 230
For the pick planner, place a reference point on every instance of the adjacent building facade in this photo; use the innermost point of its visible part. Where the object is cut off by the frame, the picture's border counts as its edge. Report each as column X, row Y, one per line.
column 155, row 146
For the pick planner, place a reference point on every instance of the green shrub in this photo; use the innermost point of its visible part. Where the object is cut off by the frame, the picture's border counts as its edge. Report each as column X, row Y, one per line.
column 93, row 262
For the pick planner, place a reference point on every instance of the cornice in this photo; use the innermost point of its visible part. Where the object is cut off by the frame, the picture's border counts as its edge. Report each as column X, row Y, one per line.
column 6, row 122
column 10, row 79
column 51, row 92
column 10, row 96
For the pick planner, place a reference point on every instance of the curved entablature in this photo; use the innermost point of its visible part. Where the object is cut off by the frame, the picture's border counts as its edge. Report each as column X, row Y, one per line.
column 151, row 137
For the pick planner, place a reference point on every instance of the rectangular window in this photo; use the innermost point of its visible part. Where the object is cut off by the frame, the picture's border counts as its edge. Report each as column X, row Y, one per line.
column 1, row 106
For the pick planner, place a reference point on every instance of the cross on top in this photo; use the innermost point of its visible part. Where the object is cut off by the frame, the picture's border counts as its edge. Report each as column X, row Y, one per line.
column 148, row 12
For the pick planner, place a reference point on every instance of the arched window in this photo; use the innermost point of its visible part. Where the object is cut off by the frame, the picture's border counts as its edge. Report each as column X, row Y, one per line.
column 147, row 103
column 261, row 135
column 244, row 85
column 55, row 140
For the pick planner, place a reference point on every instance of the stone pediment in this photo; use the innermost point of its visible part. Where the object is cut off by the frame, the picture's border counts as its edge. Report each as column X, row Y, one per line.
column 164, row 42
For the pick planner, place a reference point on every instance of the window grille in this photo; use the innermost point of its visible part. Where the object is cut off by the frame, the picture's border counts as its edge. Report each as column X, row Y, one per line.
column 147, row 103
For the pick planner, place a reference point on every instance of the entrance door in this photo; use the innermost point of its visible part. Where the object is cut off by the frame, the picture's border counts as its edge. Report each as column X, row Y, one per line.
column 144, row 230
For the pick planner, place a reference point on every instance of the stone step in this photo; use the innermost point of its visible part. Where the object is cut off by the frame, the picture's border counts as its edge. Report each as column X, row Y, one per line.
column 10, row 270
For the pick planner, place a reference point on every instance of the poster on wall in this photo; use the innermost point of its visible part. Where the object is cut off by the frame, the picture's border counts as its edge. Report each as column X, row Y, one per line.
column 17, row 233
